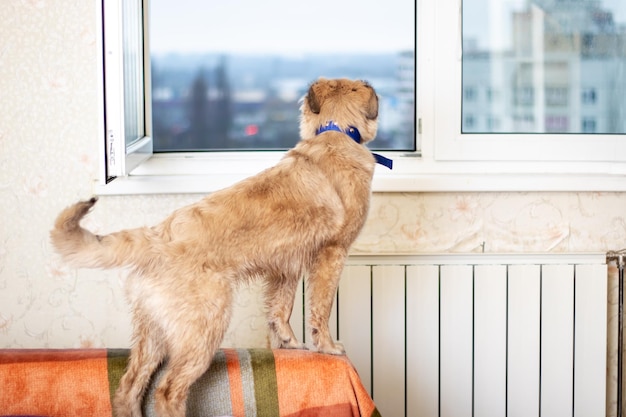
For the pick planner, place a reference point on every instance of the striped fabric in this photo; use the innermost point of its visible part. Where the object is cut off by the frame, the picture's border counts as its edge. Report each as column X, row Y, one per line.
column 240, row 382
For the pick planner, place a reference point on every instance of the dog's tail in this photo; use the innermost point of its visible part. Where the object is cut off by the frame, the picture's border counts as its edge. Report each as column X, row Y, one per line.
column 81, row 248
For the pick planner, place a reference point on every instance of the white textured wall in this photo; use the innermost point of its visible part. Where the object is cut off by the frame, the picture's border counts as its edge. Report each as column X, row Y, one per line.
column 48, row 159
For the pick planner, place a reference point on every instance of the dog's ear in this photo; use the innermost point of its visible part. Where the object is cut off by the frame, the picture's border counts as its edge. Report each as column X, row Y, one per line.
column 312, row 100
column 371, row 111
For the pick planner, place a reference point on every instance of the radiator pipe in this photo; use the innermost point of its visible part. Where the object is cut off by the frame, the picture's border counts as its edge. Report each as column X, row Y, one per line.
column 619, row 257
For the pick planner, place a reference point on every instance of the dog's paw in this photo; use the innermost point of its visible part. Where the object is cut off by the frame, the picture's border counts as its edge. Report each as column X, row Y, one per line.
column 332, row 349
column 292, row 344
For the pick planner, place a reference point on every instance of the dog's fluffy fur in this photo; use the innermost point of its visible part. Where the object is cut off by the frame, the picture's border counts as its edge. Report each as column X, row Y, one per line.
column 298, row 218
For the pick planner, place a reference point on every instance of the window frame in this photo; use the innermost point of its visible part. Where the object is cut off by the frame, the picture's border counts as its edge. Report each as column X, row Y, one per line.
column 448, row 161
column 452, row 145
column 121, row 158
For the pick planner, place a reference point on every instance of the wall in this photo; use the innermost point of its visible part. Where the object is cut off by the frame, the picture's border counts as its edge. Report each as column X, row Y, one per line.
column 48, row 159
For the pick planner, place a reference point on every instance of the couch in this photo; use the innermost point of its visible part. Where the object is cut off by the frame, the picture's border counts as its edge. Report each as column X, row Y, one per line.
column 240, row 382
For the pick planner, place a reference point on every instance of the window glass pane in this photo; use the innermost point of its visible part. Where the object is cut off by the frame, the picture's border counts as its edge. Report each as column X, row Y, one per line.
column 230, row 74
column 134, row 121
column 544, row 66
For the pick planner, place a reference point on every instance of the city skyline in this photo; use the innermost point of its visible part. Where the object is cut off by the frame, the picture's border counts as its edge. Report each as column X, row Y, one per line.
column 213, row 101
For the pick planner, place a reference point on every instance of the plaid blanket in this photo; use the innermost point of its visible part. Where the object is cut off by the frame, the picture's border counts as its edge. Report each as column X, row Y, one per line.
column 240, row 382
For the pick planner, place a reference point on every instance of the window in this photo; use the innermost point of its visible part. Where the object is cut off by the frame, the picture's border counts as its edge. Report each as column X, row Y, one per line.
column 493, row 95
column 470, row 94
column 480, row 87
column 469, row 122
column 557, row 96
column 556, row 124
column 493, row 124
column 127, row 139
column 220, row 83
column 589, row 96
column 544, row 56
column 524, row 96
column 588, row 125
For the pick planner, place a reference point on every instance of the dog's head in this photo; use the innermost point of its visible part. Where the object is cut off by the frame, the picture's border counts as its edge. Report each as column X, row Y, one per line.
column 342, row 101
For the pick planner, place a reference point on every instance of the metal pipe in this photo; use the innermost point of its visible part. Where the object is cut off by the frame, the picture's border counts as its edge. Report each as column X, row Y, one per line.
column 619, row 257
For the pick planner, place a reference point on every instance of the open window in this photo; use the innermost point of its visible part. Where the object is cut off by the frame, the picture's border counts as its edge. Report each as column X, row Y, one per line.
column 476, row 95
column 127, row 115
column 221, row 82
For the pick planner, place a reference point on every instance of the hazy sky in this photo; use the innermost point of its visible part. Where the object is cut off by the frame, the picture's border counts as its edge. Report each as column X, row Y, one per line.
column 282, row 25
column 294, row 27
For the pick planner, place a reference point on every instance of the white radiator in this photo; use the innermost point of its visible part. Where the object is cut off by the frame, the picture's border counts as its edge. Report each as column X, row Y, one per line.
column 476, row 335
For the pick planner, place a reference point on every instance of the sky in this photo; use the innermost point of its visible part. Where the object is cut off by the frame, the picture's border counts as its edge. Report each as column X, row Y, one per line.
column 286, row 26
column 294, row 27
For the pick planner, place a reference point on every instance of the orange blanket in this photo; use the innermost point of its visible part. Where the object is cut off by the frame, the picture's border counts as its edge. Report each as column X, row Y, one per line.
column 241, row 382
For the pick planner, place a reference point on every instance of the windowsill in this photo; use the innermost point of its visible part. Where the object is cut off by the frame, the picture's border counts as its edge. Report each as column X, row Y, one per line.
column 205, row 173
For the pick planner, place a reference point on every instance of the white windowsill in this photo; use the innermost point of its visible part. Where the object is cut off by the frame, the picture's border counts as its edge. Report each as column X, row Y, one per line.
column 205, row 173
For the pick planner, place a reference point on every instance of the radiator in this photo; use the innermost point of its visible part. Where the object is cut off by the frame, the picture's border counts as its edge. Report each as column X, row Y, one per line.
column 475, row 335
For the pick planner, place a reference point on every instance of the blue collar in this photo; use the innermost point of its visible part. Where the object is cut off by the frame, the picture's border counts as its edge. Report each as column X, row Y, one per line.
column 354, row 133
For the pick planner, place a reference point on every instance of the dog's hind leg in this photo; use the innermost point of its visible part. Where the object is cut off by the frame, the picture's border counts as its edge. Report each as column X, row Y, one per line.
column 200, row 314
column 181, row 372
column 322, row 289
column 279, row 299
column 146, row 355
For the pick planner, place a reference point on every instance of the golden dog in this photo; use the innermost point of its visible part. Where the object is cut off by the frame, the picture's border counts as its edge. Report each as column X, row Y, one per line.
column 298, row 218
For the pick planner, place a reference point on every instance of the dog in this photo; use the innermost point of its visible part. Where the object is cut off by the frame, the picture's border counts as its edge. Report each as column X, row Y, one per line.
column 296, row 219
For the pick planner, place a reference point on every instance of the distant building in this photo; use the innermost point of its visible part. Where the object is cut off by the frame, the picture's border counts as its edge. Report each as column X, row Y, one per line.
column 406, row 94
column 565, row 73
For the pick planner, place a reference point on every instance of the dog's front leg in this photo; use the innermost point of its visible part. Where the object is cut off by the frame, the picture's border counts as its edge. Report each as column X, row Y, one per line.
column 322, row 289
column 279, row 298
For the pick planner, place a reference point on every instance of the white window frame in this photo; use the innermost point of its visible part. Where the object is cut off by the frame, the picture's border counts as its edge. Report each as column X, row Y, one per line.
column 448, row 161
column 453, row 146
column 121, row 158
